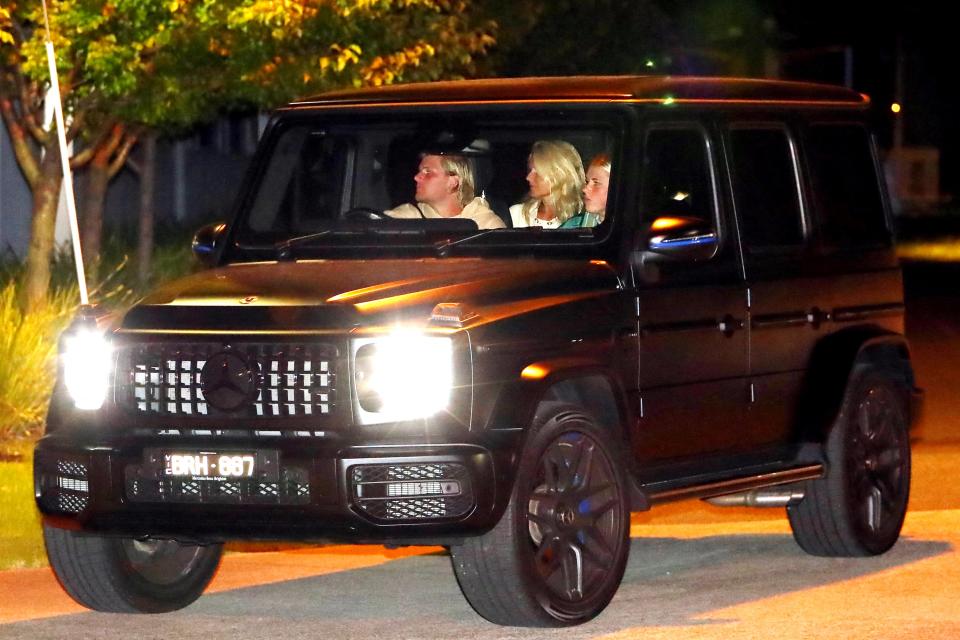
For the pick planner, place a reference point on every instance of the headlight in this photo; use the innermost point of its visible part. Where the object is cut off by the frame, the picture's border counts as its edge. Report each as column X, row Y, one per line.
column 402, row 376
column 87, row 360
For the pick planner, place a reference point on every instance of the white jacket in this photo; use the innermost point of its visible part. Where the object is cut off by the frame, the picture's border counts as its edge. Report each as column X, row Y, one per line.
column 477, row 210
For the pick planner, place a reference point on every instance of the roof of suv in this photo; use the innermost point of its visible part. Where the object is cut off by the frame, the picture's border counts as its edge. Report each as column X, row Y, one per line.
column 661, row 89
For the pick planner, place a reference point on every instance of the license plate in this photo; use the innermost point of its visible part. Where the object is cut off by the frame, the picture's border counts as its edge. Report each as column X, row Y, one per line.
column 214, row 465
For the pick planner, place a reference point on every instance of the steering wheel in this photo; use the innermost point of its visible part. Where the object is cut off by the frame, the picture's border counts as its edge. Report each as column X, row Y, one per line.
column 364, row 214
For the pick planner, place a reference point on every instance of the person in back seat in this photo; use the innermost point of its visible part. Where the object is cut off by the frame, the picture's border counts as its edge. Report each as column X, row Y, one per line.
column 594, row 194
column 445, row 189
column 556, row 179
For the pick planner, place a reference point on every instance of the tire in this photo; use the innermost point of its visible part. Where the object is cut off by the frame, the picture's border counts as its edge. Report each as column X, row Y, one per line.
column 858, row 507
column 124, row 575
column 558, row 554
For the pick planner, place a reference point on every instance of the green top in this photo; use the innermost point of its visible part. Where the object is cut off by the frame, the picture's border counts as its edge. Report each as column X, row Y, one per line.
column 583, row 219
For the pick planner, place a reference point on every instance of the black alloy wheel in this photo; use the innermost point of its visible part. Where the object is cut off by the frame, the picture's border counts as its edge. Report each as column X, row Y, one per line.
column 858, row 508
column 558, row 554
column 574, row 519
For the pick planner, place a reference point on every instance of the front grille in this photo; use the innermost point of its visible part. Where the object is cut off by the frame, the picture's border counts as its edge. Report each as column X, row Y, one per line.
column 289, row 380
column 412, row 492
column 292, row 488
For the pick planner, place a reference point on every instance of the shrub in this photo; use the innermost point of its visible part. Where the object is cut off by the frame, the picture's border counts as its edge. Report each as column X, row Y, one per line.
column 28, row 344
column 28, row 349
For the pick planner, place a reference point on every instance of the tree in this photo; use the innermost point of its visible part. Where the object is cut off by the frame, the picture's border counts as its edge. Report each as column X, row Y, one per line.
column 571, row 37
column 133, row 65
column 726, row 37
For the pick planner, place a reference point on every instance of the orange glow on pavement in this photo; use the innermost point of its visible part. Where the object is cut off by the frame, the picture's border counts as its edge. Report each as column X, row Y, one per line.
column 39, row 595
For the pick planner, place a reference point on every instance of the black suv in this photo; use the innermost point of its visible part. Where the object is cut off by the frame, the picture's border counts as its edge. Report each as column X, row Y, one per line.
column 729, row 327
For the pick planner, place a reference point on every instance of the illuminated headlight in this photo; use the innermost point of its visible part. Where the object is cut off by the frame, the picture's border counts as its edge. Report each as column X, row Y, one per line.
column 87, row 360
column 402, row 376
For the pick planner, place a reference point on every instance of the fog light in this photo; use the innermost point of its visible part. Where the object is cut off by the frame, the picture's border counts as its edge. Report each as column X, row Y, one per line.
column 73, row 484
column 404, row 489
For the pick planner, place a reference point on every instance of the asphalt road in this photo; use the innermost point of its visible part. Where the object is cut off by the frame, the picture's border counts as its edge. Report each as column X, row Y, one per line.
column 696, row 571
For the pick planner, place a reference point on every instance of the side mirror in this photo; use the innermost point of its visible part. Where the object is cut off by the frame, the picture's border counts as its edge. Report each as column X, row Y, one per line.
column 679, row 238
column 206, row 241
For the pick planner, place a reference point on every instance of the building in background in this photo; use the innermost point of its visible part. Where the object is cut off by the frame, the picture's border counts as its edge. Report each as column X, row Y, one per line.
column 15, row 202
column 197, row 182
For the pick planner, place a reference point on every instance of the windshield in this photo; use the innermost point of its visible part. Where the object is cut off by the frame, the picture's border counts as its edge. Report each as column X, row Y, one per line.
column 431, row 179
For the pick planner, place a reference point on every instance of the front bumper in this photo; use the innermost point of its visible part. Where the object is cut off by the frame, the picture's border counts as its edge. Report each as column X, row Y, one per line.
column 371, row 492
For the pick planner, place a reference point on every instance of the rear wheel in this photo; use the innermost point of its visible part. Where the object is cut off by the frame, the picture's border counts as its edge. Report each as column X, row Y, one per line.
column 558, row 554
column 858, row 508
column 128, row 575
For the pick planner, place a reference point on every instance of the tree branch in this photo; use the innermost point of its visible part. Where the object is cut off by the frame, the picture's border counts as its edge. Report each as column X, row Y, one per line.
column 122, row 154
column 85, row 155
column 29, row 108
column 28, row 162
column 30, row 102
column 77, row 123
column 82, row 157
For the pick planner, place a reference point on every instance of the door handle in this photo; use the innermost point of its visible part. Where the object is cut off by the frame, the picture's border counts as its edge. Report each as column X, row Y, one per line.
column 728, row 325
column 817, row 316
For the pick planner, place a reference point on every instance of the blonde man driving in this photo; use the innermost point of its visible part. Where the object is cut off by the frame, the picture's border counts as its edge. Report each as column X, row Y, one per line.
column 445, row 189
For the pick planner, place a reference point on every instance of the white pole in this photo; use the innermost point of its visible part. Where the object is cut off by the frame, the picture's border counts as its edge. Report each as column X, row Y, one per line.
column 65, row 163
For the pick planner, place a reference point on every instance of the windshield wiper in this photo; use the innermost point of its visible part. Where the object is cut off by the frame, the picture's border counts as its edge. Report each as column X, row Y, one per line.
column 285, row 249
column 443, row 248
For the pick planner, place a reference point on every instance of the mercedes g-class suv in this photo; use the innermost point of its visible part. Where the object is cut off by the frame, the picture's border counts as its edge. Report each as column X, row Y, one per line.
column 726, row 325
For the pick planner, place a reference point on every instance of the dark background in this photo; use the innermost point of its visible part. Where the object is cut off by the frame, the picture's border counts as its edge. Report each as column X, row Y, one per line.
column 805, row 40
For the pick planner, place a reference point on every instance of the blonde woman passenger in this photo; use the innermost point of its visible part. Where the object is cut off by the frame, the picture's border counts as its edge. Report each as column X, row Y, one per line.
column 556, row 178
column 445, row 189
column 594, row 194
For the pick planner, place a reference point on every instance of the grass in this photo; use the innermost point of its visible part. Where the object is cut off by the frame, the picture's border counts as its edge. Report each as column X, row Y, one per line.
column 21, row 543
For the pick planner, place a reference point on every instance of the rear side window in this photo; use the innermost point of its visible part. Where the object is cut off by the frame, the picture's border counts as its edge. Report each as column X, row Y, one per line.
column 765, row 187
column 846, row 186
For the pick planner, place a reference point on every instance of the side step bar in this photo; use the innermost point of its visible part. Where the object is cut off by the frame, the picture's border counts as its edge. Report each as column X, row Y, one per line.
column 765, row 489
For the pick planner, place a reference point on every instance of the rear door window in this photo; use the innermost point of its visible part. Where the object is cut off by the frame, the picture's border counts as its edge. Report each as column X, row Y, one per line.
column 765, row 187
column 846, row 186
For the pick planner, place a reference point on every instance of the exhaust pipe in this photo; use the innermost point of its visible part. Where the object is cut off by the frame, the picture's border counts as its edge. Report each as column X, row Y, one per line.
column 779, row 496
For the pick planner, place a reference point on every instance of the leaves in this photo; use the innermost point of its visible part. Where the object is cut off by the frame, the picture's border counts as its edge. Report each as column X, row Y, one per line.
column 5, row 36
column 168, row 64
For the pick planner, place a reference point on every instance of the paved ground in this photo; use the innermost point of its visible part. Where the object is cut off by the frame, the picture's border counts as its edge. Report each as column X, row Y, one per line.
column 696, row 571
column 710, row 579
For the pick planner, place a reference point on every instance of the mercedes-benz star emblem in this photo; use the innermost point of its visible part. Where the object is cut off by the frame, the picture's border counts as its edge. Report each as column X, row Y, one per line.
column 227, row 381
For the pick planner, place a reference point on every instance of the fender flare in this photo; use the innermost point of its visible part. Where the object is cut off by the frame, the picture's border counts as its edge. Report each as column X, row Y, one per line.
column 582, row 382
column 832, row 365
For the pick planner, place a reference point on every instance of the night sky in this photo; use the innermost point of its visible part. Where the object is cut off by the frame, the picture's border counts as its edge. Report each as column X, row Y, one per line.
column 930, row 46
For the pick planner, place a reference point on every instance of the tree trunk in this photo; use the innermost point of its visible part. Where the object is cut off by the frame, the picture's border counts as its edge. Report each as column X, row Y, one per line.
column 98, row 177
column 46, row 197
column 147, row 187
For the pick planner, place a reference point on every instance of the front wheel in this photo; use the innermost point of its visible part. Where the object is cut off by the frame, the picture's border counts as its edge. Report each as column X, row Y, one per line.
column 858, row 507
column 129, row 575
column 558, row 554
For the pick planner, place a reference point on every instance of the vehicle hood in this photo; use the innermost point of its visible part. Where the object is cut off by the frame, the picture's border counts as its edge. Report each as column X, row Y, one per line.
column 342, row 294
